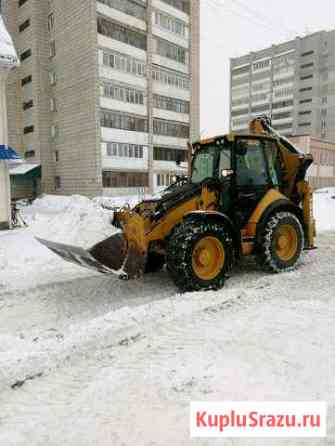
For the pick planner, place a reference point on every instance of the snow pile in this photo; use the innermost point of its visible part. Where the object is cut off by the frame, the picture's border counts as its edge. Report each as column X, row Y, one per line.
column 118, row 202
column 324, row 209
column 75, row 220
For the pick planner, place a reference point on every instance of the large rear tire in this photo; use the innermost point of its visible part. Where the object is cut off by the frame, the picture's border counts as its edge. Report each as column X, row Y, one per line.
column 281, row 243
column 199, row 254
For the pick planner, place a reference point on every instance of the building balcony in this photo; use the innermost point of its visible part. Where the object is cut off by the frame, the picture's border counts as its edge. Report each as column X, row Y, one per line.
column 123, row 164
column 120, row 47
column 170, row 63
column 173, row 92
column 169, row 166
column 169, row 141
column 165, row 7
column 117, row 135
column 121, row 17
column 108, row 73
column 170, row 36
column 112, row 104
column 171, row 116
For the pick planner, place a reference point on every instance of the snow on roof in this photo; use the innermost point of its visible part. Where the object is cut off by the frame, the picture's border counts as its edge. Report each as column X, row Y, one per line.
column 23, row 168
column 8, row 56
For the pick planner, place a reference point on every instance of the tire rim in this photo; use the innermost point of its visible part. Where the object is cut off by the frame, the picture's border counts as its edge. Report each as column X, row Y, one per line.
column 286, row 242
column 208, row 258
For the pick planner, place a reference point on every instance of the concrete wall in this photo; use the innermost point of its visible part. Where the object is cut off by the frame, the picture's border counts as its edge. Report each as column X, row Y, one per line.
column 76, row 92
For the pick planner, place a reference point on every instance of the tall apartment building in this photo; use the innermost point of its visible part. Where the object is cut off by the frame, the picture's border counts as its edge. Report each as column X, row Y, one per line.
column 293, row 82
column 107, row 94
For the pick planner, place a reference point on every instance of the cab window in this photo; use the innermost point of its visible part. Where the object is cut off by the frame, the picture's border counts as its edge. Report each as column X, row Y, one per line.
column 225, row 160
column 271, row 152
column 251, row 169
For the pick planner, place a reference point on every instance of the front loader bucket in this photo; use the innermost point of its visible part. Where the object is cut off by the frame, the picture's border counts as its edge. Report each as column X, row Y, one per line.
column 112, row 255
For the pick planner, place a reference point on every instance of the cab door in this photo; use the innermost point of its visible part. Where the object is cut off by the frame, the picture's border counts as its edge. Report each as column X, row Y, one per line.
column 252, row 175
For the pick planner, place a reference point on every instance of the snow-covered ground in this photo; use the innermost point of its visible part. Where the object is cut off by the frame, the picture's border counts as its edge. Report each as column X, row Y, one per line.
column 89, row 360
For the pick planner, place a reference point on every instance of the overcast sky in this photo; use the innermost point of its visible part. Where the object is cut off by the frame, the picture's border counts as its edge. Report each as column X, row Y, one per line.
column 231, row 28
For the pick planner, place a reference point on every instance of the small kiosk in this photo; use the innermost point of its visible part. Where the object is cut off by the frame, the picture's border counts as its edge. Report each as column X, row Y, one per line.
column 8, row 61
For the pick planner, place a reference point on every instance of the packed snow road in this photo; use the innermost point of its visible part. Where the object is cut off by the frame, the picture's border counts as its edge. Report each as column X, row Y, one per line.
column 90, row 360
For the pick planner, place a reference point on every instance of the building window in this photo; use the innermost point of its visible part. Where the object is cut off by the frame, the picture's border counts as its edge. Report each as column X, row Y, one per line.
column 24, row 25
column 283, row 115
column 307, row 53
column 129, row 7
column 56, row 154
column 241, row 70
column 124, row 63
column 52, row 49
column 22, row 2
column 182, row 5
column 53, row 107
column 121, row 33
column 172, row 78
column 122, row 121
column 29, row 154
column 283, row 104
column 304, row 124
column 26, row 80
column 58, row 182
column 25, row 55
column 170, row 128
column 122, row 93
column 171, row 24
column 240, row 122
column 167, row 154
column 309, row 76
column 306, row 112
column 284, row 127
column 125, row 150
column 28, row 129
column 307, row 65
column 286, row 80
column 284, row 92
column 165, row 179
column 260, row 109
column 124, row 179
column 168, row 49
column 261, row 65
column 54, row 131
column 51, row 21
column 241, row 101
column 305, row 89
column 52, row 77
column 28, row 104
column 171, row 104
column 244, row 111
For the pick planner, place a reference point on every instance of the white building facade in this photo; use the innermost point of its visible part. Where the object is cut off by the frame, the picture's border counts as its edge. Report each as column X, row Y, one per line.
column 108, row 92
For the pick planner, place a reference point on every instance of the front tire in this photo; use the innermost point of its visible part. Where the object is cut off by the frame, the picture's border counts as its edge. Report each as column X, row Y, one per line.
column 281, row 244
column 199, row 254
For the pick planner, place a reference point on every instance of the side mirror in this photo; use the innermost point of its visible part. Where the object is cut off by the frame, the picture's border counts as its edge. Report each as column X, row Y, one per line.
column 225, row 173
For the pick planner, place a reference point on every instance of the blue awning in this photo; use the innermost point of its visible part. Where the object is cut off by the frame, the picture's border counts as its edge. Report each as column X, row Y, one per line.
column 7, row 153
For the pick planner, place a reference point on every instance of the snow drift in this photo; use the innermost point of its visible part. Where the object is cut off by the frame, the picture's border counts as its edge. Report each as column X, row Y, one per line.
column 324, row 209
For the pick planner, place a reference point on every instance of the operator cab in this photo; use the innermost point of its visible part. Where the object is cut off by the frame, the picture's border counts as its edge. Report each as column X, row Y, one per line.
column 245, row 168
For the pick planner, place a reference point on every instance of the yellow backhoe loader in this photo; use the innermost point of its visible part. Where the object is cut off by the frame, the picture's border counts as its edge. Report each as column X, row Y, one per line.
column 246, row 194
